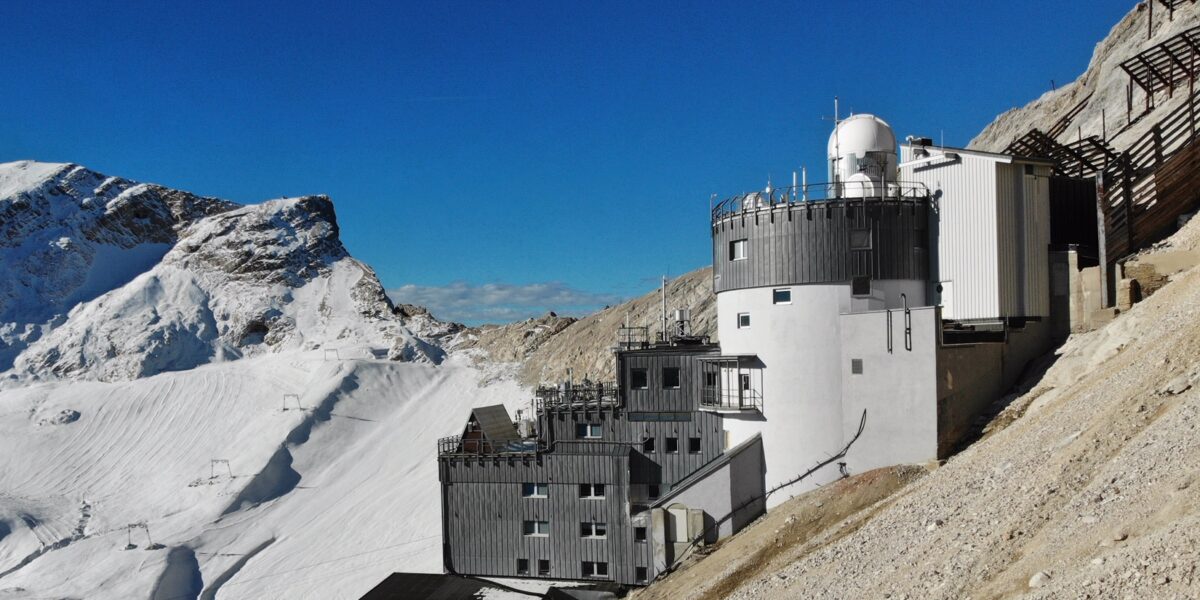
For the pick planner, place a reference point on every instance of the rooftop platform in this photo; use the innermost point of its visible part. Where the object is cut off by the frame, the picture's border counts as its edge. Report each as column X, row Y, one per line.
column 817, row 194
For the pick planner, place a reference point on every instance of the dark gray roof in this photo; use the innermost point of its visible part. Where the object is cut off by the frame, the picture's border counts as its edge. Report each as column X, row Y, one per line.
column 427, row 586
column 495, row 423
column 708, row 469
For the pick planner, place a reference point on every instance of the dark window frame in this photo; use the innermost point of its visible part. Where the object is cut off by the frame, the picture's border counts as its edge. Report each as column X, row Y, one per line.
column 675, row 373
column 634, row 374
column 694, row 445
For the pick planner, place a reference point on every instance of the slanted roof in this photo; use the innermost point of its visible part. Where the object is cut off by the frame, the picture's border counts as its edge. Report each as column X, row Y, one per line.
column 708, row 469
column 431, row 586
column 495, row 423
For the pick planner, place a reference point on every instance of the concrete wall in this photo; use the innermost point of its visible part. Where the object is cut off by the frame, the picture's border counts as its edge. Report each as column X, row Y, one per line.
column 971, row 377
column 722, row 493
column 897, row 388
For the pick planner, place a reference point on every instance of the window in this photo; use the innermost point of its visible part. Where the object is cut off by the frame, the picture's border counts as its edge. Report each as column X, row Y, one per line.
column 856, row 366
column 595, row 569
column 638, row 379
column 543, row 567
column 783, row 296
column 743, row 320
column 744, row 380
column 590, row 529
column 1029, row 169
column 588, row 431
column 652, row 491
column 641, row 574
column 670, row 378
column 860, row 286
column 737, row 250
column 672, row 445
column 537, row 528
column 522, row 566
column 535, row 490
column 860, row 238
column 591, row 491
column 693, row 445
column 648, row 445
column 639, row 534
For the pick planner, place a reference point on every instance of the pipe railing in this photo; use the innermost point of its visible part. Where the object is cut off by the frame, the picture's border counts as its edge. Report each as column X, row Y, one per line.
column 819, row 192
column 456, row 445
column 577, row 396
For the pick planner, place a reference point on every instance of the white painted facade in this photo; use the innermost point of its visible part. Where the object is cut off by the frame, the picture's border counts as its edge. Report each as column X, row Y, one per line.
column 799, row 347
column 992, row 224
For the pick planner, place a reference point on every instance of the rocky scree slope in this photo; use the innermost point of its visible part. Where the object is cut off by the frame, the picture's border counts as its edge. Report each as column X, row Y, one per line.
column 113, row 280
column 1105, row 81
column 553, row 348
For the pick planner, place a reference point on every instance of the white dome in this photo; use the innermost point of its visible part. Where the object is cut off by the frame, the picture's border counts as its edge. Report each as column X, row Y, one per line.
column 860, row 134
column 860, row 185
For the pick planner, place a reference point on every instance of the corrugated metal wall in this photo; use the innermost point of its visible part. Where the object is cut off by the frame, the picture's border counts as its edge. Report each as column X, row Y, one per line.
column 809, row 242
column 963, row 220
column 1023, row 234
column 485, row 514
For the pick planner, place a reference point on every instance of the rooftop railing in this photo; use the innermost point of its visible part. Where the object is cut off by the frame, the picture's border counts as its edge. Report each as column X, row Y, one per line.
column 819, row 192
column 455, row 445
column 576, row 396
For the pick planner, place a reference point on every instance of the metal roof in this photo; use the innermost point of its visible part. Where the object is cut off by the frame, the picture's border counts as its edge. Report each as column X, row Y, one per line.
column 495, row 423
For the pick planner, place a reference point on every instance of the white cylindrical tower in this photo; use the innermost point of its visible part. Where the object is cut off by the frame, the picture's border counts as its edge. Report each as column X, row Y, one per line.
column 783, row 281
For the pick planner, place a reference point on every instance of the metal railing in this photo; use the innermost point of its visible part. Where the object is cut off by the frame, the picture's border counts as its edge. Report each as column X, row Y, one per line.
column 576, row 396
column 633, row 338
column 819, row 192
column 726, row 399
column 455, row 445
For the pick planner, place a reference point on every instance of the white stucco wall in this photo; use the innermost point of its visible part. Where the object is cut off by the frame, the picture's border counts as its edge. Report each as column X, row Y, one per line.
column 799, row 347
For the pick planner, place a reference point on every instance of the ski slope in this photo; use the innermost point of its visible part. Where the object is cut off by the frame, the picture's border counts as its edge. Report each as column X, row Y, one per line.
column 324, row 500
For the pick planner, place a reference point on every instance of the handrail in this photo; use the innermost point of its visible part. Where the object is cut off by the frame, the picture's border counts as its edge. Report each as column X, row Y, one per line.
column 455, row 445
column 583, row 396
column 818, row 192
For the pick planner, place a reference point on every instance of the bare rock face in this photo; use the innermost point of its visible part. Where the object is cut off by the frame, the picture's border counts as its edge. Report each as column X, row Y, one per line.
column 553, row 348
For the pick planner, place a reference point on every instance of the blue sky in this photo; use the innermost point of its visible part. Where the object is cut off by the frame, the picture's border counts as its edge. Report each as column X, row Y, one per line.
column 499, row 159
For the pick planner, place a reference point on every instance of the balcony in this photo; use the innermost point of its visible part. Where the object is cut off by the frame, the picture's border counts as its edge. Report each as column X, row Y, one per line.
column 805, row 195
column 732, row 384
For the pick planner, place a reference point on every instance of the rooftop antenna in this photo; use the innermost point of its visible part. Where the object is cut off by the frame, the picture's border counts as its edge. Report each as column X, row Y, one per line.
column 664, row 308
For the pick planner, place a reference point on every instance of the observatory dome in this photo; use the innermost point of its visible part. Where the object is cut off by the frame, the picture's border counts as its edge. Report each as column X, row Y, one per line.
column 859, row 134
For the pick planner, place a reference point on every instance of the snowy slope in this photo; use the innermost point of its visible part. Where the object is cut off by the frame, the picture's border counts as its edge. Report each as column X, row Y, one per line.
column 228, row 380
column 324, row 501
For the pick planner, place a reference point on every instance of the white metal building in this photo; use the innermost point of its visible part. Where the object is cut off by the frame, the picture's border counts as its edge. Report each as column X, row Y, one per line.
column 991, row 220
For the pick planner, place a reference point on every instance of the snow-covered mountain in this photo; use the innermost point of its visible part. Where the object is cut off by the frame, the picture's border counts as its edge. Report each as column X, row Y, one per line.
column 102, row 278
column 207, row 400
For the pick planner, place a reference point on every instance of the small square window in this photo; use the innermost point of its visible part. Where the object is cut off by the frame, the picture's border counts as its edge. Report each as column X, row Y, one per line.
column 642, row 575
column 693, row 445
column 782, row 296
column 860, row 239
column 595, row 569
column 1029, row 169
column 591, row 491
column 743, row 320
column 522, row 566
column 543, row 567
column 638, row 379
column 737, row 250
column 536, row 528
column 589, row 529
column 672, row 445
column 588, row 431
column 860, row 287
column 535, row 490
column 856, row 367
column 670, row 377
column 639, row 534
column 648, row 445
column 652, row 491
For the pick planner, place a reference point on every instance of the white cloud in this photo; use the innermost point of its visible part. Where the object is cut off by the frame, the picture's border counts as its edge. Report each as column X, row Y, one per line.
column 501, row 302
